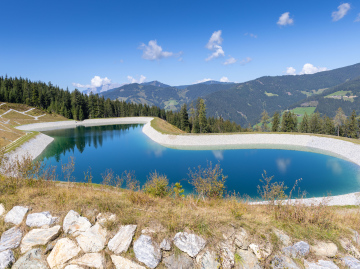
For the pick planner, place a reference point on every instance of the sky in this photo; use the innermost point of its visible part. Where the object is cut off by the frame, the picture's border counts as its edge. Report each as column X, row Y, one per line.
column 81, row 44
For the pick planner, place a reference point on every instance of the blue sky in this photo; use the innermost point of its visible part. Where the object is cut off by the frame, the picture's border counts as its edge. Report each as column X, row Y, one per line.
column 95, row 43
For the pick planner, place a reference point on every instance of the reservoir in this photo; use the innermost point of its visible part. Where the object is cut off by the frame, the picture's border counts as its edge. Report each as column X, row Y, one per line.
column 126, row 147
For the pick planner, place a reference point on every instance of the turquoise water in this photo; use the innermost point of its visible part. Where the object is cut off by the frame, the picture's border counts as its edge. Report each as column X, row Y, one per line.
column 125, row 147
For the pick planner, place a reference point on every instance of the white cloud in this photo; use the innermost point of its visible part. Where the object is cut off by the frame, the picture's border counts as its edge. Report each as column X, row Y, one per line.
column 203, row 80
column 224, row 79
column 133, row 80
column 310, row 69
column 231, row 60
column 357, row 18
column 341, row 12
column 153, row 51
column 214, row 45
column 251, row 35
column 285, row 19
column 246, row 61
column 291, row 71
column 96, row 82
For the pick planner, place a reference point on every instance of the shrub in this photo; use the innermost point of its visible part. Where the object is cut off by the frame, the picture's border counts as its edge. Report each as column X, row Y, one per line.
column 157, row 185
column 208, row 182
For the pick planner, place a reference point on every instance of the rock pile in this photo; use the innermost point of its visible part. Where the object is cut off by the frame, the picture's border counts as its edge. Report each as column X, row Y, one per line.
column 77, row 243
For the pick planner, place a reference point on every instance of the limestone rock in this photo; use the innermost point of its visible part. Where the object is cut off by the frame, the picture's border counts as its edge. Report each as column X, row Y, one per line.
column 64, row 250
column 207, row 260
column 283, row 237
column 6, row 259
column 74, row 224
column 324, row 249
column 10, row 239
column 356, row 237
column 227, row 256
column 351, row 262
column 256, row 250
column 165, row 244
column 122, row 263
column 321, row 264
column 50, row 246
column 248, row 259
column 102, row 218
column 2, row 210
column 283, row 262
column 92, row 260
column 181, row 261
column 73, row 266
column 122, row 240
column 147, row 251
column 297, row 250
column 350, row 248
column 189, row 243
column 38, row 237
column 33, row 259
column 40, row 219
column 16, row 215
column 242, row 239
column 93, row 240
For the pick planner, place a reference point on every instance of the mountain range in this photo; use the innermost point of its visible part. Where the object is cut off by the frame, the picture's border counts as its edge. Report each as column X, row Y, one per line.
column 244, row 102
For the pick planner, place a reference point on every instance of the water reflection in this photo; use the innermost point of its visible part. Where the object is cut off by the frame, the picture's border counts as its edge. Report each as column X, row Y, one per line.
column 335, row 166
column 283, row 164
column 218, row 154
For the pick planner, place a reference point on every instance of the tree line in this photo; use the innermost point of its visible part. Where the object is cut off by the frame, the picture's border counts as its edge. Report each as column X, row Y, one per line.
column 79, row 106
column 340, row 125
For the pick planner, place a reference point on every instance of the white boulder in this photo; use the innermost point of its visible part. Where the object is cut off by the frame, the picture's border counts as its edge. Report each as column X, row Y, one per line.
column 324, row 249
column 147, row 251
column 92, row 260
column 10, row 239
column 2, row 210
column 165, row 244
column 93, row 240
column 64, row 250
column 321, row 264
column 6, row 258
column 102, row 218
column 74, row 224
column 40, row 219
column 122, row 263
column 31, row 260
column 16, row 214
column 122, row 240
column 189, row 243
column 38, row 237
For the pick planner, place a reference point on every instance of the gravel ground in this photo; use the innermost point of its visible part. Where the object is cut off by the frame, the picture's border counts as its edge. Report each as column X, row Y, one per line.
column 329, row 146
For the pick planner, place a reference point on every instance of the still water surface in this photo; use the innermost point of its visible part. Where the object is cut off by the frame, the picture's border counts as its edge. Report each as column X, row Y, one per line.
column 125, row 147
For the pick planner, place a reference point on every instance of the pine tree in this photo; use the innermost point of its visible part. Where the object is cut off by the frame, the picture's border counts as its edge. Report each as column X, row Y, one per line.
column 202, row 116
column 276, row 122
column 184, row 119
column 264, row 121
column 315, row 123
column 304, row 125
column 353, row 127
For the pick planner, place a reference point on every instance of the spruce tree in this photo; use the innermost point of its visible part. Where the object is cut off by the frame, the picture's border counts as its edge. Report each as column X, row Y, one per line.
column 276, row 122
column 304, row 125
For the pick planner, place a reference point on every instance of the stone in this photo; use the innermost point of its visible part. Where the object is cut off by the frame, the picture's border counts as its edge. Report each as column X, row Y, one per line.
column 33, row 259
column 122, row 263
column 298, row 250
column 256, row 250
column 40, row 219
column 351, row 262
column 92, row 260
column 6, row 259
column 39, row 237
column 356, row 237
column 74, row 224
column 350, row 248
column 93, row 240
column 73, row 266
column 241, row 239
column 181, row 261
column 2, row 210
column 321, row 264
column 248, row 259
column 227, row 256
column 10, row 239
column 189, row 243
column 16, row 215
column 207, row 260
column 64, row 250
column 102, row 218
column 165, row 244
column 122, row 240
column 324, row 249
column 283, row 237
column 147, row 251
column 283, row 262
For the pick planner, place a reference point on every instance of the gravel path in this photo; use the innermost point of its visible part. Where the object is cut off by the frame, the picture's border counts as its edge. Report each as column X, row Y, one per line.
column 330, row 146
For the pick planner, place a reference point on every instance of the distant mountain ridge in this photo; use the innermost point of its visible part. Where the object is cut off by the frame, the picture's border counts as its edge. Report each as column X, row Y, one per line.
column 244, row 102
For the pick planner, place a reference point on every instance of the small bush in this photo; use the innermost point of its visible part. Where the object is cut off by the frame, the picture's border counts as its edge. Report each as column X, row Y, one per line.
column 157, row 185
column 208, row 182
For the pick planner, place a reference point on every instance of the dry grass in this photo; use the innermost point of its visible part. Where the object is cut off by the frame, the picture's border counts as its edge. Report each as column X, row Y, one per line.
column 164, row 127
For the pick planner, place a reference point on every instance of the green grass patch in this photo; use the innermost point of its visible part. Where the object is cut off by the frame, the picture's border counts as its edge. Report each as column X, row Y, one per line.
column 171, row 104
column 301, row 111
column 339, row 93
column 271, row 94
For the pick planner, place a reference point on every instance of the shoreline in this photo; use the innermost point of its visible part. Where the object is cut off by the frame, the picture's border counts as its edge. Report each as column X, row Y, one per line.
column 324, row 145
